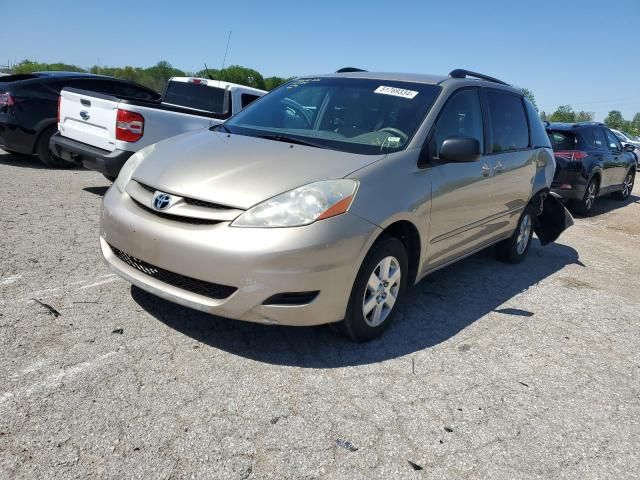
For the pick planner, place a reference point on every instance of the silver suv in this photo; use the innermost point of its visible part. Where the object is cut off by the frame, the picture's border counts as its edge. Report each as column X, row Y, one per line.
column 322, row 201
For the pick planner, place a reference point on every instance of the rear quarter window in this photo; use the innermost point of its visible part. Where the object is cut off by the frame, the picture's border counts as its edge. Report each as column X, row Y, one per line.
column 509, row 127
column 539, row 137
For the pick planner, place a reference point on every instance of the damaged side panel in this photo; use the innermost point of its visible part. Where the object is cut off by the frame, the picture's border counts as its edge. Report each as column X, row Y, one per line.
column 553, row 217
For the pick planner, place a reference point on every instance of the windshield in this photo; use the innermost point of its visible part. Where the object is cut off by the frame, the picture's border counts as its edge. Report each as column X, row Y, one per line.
column 193, row 95
column 347, row 114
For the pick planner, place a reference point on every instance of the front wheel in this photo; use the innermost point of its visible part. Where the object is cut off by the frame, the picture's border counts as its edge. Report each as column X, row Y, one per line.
column 516, row 247
column 627, row 186
column 378, row 288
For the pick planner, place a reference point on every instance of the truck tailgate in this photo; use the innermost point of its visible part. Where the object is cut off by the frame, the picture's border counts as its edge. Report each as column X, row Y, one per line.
column 88, row 117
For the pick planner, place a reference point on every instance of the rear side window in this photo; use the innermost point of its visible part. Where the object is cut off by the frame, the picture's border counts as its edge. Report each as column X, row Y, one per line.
column 198, row 96
column 562, row 140
column 510, row 130
column 460, row 117
column 539, row 137
column 247, row 98
column 595, row 138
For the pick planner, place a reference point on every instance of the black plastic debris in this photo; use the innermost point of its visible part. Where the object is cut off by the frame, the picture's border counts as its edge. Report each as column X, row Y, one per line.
column 118, row 331
column 448, row 429
column 49, row 308
column 415, row 466
column 346, row 444
column 524, row 384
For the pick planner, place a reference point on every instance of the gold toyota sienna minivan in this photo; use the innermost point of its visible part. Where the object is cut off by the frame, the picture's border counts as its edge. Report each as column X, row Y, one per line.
column 322, row 201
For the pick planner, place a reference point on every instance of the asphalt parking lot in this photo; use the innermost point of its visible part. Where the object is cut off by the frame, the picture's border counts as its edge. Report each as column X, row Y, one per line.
column 491, row 371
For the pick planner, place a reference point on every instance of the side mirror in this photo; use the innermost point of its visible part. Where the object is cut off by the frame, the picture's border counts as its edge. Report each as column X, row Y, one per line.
column 460, row 149
column 629, row 148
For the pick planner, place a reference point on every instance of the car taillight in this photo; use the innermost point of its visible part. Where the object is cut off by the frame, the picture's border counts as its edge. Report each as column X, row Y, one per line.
column 571, row 155
column 6, row 100
column 129, row 126
column 59, row 100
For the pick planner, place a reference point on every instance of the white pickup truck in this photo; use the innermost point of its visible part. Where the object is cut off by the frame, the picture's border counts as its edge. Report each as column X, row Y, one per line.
column 100, row 132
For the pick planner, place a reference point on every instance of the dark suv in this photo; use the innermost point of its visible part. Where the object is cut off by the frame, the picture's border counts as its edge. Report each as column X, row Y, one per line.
column 29, row 105
column 590, row 162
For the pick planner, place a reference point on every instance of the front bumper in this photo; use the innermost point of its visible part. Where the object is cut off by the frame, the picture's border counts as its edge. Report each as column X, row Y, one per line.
column 260, row 262
column 91, row 158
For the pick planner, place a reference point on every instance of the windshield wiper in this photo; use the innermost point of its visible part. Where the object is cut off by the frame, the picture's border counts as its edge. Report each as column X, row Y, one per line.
column 284, row 138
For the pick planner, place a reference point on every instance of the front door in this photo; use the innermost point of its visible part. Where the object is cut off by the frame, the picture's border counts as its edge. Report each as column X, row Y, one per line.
column 615, row 162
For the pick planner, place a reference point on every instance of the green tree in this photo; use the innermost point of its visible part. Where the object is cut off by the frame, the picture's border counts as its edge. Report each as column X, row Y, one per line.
column 583, row 116
column 564, row 113
column 273, row 82
column 528, row 94
column 29, row 66
column 614, row 120
column 634, row 129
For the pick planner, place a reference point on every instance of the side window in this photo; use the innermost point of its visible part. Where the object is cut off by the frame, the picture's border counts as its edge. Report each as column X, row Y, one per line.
column 510, row 130
column 596, row 138
column 538, row 132
column 247, row 98
column 460, row 117
column 612, row 142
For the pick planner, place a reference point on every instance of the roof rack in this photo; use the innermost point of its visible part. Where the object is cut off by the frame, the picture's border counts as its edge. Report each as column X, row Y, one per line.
column 462, row 73
column 350, row 70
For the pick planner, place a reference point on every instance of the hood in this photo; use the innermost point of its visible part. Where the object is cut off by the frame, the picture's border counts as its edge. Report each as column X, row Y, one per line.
column 240, row 171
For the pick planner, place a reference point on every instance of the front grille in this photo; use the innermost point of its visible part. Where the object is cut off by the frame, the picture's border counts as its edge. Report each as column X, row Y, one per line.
column 176, row 218
column 206, row 289
column 191, row 201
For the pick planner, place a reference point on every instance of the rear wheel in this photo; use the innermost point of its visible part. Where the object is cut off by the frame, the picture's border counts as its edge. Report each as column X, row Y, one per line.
column 627, row 186
column 45, row 154
column 585, row 205
column 516, row 247
column 378, row 287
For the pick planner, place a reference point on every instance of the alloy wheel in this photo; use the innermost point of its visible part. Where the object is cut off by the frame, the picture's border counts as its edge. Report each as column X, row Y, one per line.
column 381, row 292
column 627, row 186
column 590, row 195
column 524, row 234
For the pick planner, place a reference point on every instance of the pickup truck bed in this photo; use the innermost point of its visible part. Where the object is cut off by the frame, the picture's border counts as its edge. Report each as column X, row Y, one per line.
column 100, row 132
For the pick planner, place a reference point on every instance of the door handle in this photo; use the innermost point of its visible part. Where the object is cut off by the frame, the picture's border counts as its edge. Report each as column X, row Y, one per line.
column 498, row 168
column 486, row 171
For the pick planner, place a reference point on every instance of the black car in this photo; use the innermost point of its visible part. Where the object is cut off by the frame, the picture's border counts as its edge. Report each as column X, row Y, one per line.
column 590, row 162
column 29, row 105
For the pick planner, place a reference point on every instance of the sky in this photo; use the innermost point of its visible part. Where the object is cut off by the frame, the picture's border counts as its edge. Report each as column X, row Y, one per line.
column 585, row 53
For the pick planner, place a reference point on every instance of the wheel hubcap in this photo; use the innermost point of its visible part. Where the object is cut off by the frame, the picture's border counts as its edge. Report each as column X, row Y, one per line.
column 627, row 186
column 381, row 292
column 591, row 196
column 524, row 234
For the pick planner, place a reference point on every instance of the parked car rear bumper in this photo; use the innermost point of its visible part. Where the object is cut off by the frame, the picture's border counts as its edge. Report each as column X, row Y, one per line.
column 570, row 180
column 16, row 138
column 103, row 161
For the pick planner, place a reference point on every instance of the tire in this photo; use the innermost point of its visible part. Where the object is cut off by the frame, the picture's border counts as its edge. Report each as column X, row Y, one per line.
column 627, row 186
column 387, row 256
column 584, row 206
column 515, row 248
column 45, row 154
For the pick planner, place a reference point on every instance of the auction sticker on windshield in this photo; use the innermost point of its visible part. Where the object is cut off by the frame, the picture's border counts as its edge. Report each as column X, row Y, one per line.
column 396, row 92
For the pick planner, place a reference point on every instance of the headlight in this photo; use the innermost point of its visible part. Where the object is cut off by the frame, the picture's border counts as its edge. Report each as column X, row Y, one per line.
column 301, row 206
column 126, row 172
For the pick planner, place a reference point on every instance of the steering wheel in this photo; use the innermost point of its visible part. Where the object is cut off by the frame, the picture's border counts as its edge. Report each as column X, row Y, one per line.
column 398, row 133
column 302, row 113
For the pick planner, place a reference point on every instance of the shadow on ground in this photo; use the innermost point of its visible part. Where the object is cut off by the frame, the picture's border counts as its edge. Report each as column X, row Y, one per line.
column 435, row 310
column 99, row 191
column 607, row 204
column 27, row 161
